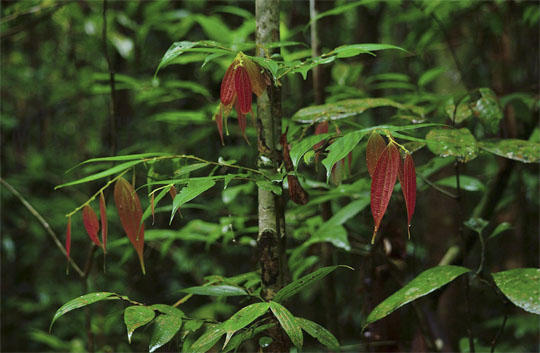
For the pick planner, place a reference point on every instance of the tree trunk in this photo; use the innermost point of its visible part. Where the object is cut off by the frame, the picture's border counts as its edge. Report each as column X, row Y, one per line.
column 271, row 237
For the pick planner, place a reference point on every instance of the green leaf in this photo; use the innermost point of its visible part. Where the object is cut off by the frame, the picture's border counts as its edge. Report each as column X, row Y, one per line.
column 340, row 149
column 430, row 75
column 341, row 9
column 301, row 283
column 128, row 157
column 81, row 301
column 176, row 49
column 237, row 339
column 488, row 111
column 242, row 318
column 288, row 323
column 322, row 335
column 165, row 327
column 521, row 286
column 136, row 316
column 476, row 224
column 167, row 309
column 207, row 340
column 210, row 58
column 349, row 50
column 194, row 188
column 300, row 148
column 114, row 170
column 223, row 290
column 504, row 226
column 425, row 283
column 459, row 143
column 519, row 150
column 465, row 182
column 348, row 108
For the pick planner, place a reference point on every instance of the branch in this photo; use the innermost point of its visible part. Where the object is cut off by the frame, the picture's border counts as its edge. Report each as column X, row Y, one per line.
column 44, row 224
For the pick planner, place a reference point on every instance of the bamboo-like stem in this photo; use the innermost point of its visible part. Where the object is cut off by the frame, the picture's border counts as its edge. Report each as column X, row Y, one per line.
column 44, row 224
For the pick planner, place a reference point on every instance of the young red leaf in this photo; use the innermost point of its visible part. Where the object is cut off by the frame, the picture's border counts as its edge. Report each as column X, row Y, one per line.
column 91, row 224
column 173, row 192
column 374, row 148
column 68, row 241
column 286, row 153
column 243, row 90
column 219, row 123
column 227, row 85
column 241, row 121
column 296, row 192
column 103, row 216
column 258, row 81
column 130, row 213
column 407, row 179
column 382, row 183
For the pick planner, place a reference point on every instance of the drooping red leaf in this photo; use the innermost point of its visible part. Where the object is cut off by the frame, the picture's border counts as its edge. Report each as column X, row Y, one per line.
column 219, row 123
column 296, row 192
column 375, row 146
column 407, row 179
column 227, row 85
column 287, row 161
column 382, row 183
column 91, row 224
column 103, row 216
column 130, row 213
column 257, row 79
column 241, row 121
column 68, row 239
column 173, row 192
column 243, row 90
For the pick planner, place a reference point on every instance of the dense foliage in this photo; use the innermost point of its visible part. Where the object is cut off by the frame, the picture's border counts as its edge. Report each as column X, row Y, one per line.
column 428, row 135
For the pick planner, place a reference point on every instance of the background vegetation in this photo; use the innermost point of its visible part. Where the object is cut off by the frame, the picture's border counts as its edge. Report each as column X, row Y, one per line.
column 57, row 111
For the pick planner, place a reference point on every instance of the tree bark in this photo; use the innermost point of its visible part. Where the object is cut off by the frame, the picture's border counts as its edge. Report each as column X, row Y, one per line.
column 271, row 236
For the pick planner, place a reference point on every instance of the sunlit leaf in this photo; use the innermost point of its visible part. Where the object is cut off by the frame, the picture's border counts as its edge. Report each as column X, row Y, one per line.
column 459, row 143
column 465, row 182
column 521, row 286
column 136, row 316
column 244, row 317
column 300, row 148
column 320, row 333
column 165, row 327
column 223, row 290
column 288, row 323
column 194, row 188
column 425, row 283
column 81, row 301
column 488, row 111
column 207, row 340
column 340, row 149
column 519, row 150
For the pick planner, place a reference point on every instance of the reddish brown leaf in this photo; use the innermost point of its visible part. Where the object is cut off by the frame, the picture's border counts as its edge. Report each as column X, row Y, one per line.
column 227, row 85
column 296, row 192
column 173, row 192
column 91, row 224
column 338, row 172
column 130, row 213
column 407, row 179
column 382, row 183
column 374, row 148
column 241, row 121
column 243, row 90
column 286, row 153
column 103, row 216
column 257, row 80
column 219, row 122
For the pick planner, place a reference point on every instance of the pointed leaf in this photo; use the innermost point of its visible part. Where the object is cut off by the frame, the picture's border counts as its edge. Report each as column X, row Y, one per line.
column 425, row 283
column 103, row 216
column 374, row 149
column 504, row 226
column 223, row 290
column 154, row 200
column 257, row 80
column 91, row 224
column 114, row 170
column 288, row 323
column 519, row 150
column 296, row 191
column 242, row 336
column 219, row 123
column 194, row 188
column 300, row 148
column 322, row 335
column 286, row 153
column 340, row 149
column 488, row 111
column 243, row 89
column 136, row 316
column 322, row 128
column 407, row 179
column 207, row 340
column 465, row 182
column 165, row 327
column 521, row 286
column 227, row 85
column 301, row 283
column 459, row 143
column 79, row 302
column 244, row 317
column 382, row 184
column 130, row 213
column 169, row 310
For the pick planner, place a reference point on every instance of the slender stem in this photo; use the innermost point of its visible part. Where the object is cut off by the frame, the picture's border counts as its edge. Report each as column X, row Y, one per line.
column 44, row 224
column 436, row 187
column 112, row 113
column 499, row 332
column 482, row 254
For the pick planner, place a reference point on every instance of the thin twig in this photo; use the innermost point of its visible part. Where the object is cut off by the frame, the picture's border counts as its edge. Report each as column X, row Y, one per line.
column 436, row 187
column 44, row 224
column 112, row 113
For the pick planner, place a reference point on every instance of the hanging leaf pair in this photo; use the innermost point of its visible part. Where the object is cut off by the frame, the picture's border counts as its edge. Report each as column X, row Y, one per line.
column 385, row 166
column 129, row 211
column 241, row 80
column 296, row 192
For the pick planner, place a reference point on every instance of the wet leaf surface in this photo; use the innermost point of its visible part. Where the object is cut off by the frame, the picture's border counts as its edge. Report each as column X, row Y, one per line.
column 521, row 286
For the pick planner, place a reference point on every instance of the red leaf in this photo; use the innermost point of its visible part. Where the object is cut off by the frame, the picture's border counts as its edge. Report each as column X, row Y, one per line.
column 68, row 238
column 173, row 192
column 219, row 122
column 382, row 184
column 407, row 179
column 103, row 216
column 258, row 81
column 296, row 192
column 227, row 85
column 285, row 152
column 241, row 121
column 243, row 90
column 130, row 213
column 374, row 148
column 91, row 224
